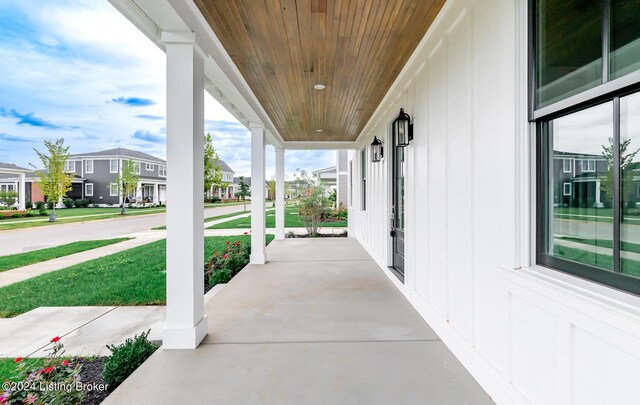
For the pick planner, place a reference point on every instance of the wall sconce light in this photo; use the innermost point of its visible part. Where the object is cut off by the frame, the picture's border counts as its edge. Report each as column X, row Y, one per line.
column 377, row 150
column 403, row 129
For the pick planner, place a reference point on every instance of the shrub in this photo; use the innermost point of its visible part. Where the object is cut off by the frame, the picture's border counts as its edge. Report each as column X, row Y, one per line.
column 77, row 203
column 68, row 203
column 223, row 266
column 85, row 202
column 40, row 205
column 55, row 372
column 28, row 204
column 43, row 212
column 215, row 199
column 50, row 205
column 8, row 197
column 16, row 215
column 30, row 214
column 126, row 358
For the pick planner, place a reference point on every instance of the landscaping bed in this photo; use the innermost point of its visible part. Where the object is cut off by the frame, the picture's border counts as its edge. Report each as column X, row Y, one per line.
column 56, row 379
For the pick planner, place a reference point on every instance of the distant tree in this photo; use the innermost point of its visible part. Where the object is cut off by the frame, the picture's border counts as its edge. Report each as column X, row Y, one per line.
column 243, row 192
column 127, row 181
column 271, row 188
column 8, row 197
column 627, row 165
column 53, row 181
column 312, row 203
column 213, row 176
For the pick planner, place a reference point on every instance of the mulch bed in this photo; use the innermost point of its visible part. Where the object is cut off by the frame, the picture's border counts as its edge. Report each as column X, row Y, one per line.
column 91, row 372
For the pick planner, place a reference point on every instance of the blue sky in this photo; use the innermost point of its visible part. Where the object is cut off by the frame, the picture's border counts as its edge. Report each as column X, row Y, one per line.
column 77, row 69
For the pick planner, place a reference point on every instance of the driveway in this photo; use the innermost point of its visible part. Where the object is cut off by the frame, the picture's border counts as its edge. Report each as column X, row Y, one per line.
column 27, row 239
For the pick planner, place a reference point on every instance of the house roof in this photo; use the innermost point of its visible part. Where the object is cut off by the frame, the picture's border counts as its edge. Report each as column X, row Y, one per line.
column 121, row 152
column 12, row 167
column 325, row 170
column 247, row 180
column 559, row 153
column 31, row 175
column 224, row 166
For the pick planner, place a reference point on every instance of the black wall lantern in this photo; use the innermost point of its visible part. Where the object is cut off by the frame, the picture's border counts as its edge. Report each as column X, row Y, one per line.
column 403, row 129
column 376, row 150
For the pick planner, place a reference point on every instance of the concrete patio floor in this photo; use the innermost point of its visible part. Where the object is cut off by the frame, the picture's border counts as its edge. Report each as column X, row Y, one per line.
column 319, row 323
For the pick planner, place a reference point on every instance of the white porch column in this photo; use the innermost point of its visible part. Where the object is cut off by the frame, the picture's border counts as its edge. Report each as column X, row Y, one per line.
column 598, row 203
column 257, row 195
column 21, row 191
column 186, row 324
column 279, row 193
column 155, row 193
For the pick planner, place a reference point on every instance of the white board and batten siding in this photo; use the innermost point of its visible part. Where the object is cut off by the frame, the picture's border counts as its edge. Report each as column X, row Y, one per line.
column 528, row 335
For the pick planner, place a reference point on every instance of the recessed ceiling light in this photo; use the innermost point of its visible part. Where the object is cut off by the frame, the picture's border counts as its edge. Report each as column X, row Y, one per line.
column 319, row 86
column 318, row 130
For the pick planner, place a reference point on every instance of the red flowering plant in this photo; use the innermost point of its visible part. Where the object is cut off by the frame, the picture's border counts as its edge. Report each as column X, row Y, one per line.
column 55, row 380
column 226, row 263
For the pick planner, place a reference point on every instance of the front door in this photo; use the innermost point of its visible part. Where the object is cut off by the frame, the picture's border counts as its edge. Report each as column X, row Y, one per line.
column 397, row 219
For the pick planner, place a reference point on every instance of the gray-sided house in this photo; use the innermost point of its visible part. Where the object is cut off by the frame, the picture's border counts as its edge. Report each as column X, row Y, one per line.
column 228, row 192
column 99, row 169
column 578, row 179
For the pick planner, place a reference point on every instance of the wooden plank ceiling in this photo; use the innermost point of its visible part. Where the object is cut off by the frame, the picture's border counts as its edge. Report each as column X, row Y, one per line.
column 356, row 48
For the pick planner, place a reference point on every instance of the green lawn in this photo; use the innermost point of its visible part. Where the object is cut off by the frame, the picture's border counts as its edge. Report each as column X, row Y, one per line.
column 233, row 214
column 69, row 215
column 291, row 220
column 36, row 256
column 132, row 277
column 8, row 368
column 631, row 267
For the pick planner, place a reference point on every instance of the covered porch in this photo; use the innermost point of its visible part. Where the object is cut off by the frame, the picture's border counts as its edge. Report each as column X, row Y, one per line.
column 321, row 322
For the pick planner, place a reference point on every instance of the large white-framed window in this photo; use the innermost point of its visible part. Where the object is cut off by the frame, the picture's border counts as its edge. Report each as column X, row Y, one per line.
column 149, row 167
column 136, row 167
column 113, row 190
column 88, row 189
column 113, row 165
column 567, row 165
column 88, row 166
column 70, row 166
column 588, row 165
column 585, row 103
column 162, row 171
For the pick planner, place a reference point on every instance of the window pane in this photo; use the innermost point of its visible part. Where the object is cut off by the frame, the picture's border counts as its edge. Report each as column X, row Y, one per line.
column 579, row 203
column 625, row 37
column 569, row 48
column 629, row 181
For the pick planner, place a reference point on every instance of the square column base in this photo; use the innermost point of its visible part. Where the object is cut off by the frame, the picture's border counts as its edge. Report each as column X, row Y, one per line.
column 279, row 235
column 257, row 259
column 185, row 338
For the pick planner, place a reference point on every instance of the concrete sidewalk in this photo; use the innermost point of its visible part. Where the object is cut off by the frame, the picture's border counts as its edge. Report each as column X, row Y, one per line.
column 85, row 331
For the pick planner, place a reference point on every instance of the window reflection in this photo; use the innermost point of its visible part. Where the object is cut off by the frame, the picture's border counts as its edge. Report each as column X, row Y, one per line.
column 569, row 48
column 625, row 37
column 580, row 203
column 630, row 184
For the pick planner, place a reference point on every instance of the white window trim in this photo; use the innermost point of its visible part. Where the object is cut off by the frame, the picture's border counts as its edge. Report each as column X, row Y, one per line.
column 111, row 167
column 564, row 167
column 162, row 170
column 86, row 191
column 86, row 166
column 564, row 189
column 111, row 193
column 149, row 166
column 137, row 166
column 67, row 166
column 584, row 165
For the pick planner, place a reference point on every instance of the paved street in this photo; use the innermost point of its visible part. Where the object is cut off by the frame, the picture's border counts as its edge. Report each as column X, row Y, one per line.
column 24, row 240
